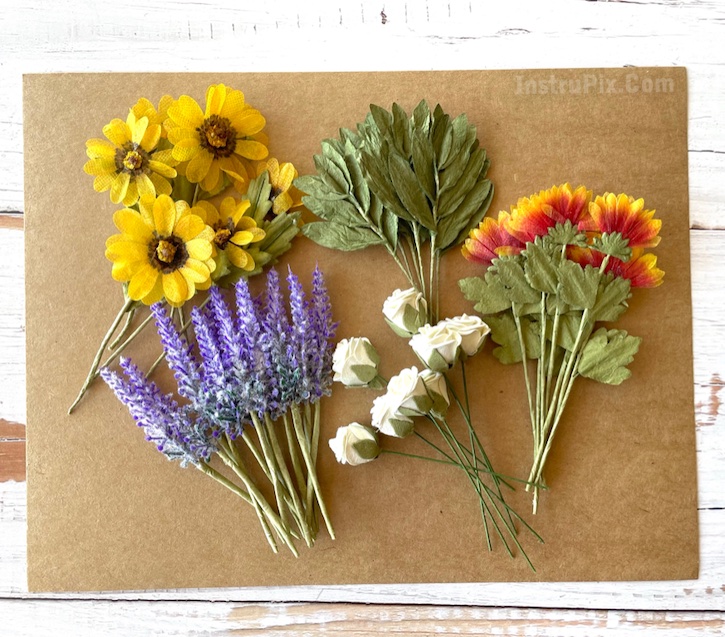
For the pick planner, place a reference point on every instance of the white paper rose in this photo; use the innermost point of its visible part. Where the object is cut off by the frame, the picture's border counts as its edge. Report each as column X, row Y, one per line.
column 435, row 383
column 437, row 346
column 473, row 332
column 355, row 362
column 388, row 420
column 355, row 444
column 409, row 392
column 405, row 311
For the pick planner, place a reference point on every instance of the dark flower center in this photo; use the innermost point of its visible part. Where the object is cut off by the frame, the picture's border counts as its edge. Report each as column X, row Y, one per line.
column 167, row 254
column 223, row 234
column 218, row 136
column 132, row 159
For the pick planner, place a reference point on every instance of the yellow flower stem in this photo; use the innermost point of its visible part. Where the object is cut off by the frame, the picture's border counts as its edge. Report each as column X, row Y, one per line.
column 297, row 508
column 124, row 330
column 93, row 373
column 305, row 448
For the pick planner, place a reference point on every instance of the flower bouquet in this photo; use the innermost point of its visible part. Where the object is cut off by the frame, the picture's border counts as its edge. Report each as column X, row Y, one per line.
column 560, row 264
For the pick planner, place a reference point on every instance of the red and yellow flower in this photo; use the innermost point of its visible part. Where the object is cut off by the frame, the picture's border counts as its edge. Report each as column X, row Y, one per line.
column 163, row 250
column 641, row 269
column 533, row 216
column 624, row 214
column 491, row 240
column 220, row 139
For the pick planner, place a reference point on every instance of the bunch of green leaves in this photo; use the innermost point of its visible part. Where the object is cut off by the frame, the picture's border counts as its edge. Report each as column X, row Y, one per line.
column 400, row 182
column 542, row 306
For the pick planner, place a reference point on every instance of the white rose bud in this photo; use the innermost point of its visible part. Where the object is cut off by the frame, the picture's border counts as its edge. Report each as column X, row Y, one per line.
column 388, row 420
column 435, row 383
column 408, row 391
column 355, row 444
column 405, row 311
column 355, row 363
column 437, row 346
column 473, row 332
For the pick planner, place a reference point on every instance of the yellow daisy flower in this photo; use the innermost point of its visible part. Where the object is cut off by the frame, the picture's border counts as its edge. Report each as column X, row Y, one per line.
column 284, row 195
column 163, row 251
column 233, row 232
column 129, row 164
column 218, row 139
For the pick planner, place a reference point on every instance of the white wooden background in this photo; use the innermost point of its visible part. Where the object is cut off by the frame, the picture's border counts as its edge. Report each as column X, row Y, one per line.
column 237, row 35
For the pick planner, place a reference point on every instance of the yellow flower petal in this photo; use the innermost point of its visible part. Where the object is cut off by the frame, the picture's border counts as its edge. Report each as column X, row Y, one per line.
column 145, row 185
column 100, row 148
column 142, row 282
column 179, row 133
column 119, row 187
column 146, row 208
column 162, row 169
column 198, row 167
column 245, row 223
column 248, row 122
column 117, row 131
column 285, row 176
column 123, row 271
column 215, row 96
column 103, row 182
column 151, row 138
column 100, row 166
column 282, row 203
column 185, row 112
column 195, row 271
column 199, row 249
column 185, row 149
column 126, row 251
column 164, row 215
column 189, row 227
column 131, row 223
column 233, row 104
column 250, row 149
column 161, row 185
column 257, row 234
column 213, row 178
column 131, row 196
column 164, row 157
column 240, row 258
column 206, row 212
column 242, row 238
column 156, row 294
column 176, row 288
column 138, row 128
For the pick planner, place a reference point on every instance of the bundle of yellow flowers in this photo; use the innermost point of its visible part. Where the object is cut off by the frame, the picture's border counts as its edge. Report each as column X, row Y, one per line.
column 165, row 164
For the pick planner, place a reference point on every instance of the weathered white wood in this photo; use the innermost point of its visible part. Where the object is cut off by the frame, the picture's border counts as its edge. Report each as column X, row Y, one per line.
column 161, row 619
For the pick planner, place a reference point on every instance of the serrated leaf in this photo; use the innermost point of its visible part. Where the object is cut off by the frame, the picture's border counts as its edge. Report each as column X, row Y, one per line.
column 512, row 276
column 613, row 244
column 606, row 355
column 612, row 298
column 489, row 294
column 409, row 190
column 578, row 285
column 340, row 237
column 540, row 270
column 565, row 234
column 566, row 330
column 505, row 334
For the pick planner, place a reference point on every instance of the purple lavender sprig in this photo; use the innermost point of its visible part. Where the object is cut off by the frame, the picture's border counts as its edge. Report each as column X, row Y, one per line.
column 171, row 427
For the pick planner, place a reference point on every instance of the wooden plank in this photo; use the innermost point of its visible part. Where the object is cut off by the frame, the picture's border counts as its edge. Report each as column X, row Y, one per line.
column 41, row 617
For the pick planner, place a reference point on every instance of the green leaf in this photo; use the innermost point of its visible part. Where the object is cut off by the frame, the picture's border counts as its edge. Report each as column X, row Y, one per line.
column 486, row 187
column 566, row 331
column 505, row 334
column 566, row 234
column 613, row 244
column 512, row 276
column 331, row 175
column 339, row 211
column 401, row 130
column 611, row 298
column 424, row 164
column 340, row 237
column 578, row 285
column 381, row 185
column 383, row 120
column 452, row 198
column 360, row 188
column 540, row 270
column 365, row 373
column 421, row 117
column 410, row 192
column 606, row 355
column 489, row 295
